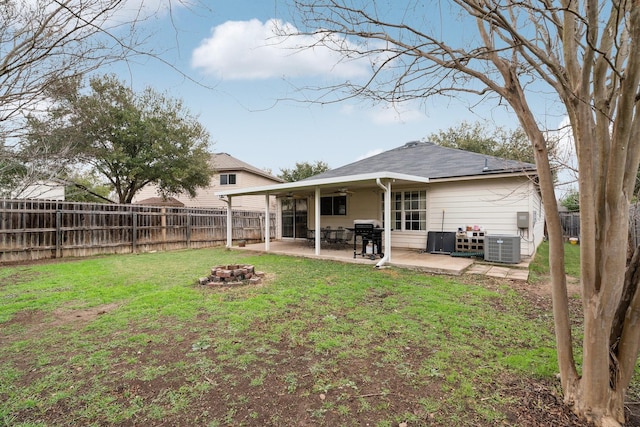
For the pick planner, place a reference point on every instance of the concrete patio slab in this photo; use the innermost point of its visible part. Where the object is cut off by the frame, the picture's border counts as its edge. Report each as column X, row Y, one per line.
column 518, row 274
column 404, row 258
column 500, row 272
column 480, row 269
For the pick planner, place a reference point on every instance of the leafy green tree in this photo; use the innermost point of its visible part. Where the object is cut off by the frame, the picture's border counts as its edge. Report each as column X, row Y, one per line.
column 303, row 170
column 11, row 173
column 86, row 186
column 478, row 138
column 571, row 201
column 130, row 139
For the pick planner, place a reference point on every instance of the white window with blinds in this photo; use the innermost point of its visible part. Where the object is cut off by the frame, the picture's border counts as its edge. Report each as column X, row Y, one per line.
column 408, row 210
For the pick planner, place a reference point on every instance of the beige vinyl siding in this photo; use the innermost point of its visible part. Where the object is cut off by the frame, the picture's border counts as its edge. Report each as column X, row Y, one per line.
column 251, row 203
column 491, row 204
column 206, row 198
column 47, row 190
column 360, row 205
column 538, row 220
column 409, row 239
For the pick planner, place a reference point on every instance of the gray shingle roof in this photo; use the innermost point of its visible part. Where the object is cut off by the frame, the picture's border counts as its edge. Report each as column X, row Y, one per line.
column 426, row 159
column 224, row 162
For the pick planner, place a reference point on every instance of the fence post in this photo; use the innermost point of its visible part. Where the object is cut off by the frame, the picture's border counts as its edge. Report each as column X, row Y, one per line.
column 262, row 226
column 188, row 230
column 58, row 234
column 163, row 227
column 134, row 231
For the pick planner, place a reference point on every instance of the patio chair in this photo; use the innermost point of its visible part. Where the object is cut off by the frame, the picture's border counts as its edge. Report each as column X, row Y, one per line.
column 336, row 236
column 347, row 238
column 311, row 237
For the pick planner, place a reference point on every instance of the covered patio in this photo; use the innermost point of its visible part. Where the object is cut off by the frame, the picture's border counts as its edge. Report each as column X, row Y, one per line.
column 405, row 258
column 402, row 258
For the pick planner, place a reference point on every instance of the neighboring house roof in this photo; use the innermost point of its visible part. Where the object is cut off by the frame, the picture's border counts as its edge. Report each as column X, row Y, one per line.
column 159, row 201
column 428, row 160
column 224, row 162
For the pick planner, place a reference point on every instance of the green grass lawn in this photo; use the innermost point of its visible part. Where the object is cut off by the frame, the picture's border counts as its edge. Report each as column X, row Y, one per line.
column 133, row 340
column 539, row 268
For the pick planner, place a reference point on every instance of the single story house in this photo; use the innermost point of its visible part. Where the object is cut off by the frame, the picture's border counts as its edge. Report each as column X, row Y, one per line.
column 231, row 174
column 416, row 193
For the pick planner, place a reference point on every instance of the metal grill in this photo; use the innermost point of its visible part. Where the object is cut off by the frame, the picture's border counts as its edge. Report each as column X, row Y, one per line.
column 368, row 234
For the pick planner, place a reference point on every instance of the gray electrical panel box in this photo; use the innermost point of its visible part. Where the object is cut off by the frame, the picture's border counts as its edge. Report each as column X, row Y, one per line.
column 523, row 219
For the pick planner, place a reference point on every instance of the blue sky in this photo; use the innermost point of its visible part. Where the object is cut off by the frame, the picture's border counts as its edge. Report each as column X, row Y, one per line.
column 247, row 83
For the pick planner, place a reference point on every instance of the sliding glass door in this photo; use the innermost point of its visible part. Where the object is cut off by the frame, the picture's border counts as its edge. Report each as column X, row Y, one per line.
column 294, row 218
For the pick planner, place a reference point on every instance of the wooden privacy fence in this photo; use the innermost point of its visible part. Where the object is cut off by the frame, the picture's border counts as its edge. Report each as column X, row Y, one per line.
column 40, row 229
column 571, row 224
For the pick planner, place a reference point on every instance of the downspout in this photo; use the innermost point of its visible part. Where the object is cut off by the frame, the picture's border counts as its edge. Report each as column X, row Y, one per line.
column 387, row 223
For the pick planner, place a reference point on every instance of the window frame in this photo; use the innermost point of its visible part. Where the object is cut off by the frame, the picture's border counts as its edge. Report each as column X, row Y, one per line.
column 408, row 210
column 330, row 205
column 228, row 177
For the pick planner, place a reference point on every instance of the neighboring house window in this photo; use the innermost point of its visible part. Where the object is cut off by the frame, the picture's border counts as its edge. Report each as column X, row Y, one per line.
column 408, row 210
column 228, row 179
column 333, row 205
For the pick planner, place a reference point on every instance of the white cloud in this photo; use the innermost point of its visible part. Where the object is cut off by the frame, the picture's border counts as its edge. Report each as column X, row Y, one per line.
column 384, row 114
column 244, row 50
column 394, row 114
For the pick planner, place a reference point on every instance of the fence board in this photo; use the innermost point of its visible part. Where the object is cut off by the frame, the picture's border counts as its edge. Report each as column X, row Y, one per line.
column 36, row 229
column 571, row 224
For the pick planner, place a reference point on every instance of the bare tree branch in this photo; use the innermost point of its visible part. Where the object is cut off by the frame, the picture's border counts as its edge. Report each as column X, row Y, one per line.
column 586, row 54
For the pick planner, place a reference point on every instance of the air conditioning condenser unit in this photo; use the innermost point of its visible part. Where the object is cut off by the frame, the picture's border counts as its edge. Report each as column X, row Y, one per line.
column 500, row 248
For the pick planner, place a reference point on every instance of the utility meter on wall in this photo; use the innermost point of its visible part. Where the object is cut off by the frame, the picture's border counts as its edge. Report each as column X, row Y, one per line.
column 523, row 219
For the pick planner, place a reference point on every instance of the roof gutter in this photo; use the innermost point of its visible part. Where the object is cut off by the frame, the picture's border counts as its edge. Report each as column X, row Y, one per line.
column 387, row 249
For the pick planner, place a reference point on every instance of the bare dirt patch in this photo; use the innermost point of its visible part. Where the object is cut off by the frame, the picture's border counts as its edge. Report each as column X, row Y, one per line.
column 543, row 288
column 64, row 316
column 36, row 321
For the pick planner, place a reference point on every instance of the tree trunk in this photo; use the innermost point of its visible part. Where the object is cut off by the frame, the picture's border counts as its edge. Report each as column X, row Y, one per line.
column 560, row 299
column 600, row 400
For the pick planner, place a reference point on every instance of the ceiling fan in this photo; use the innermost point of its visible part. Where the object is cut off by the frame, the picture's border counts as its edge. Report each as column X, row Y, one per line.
column 343, row 191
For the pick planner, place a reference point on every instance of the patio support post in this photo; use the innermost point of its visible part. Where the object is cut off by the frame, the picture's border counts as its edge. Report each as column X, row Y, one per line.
column 318, row 235
column 267, row 223
column 387, row 222
column 227, row 200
